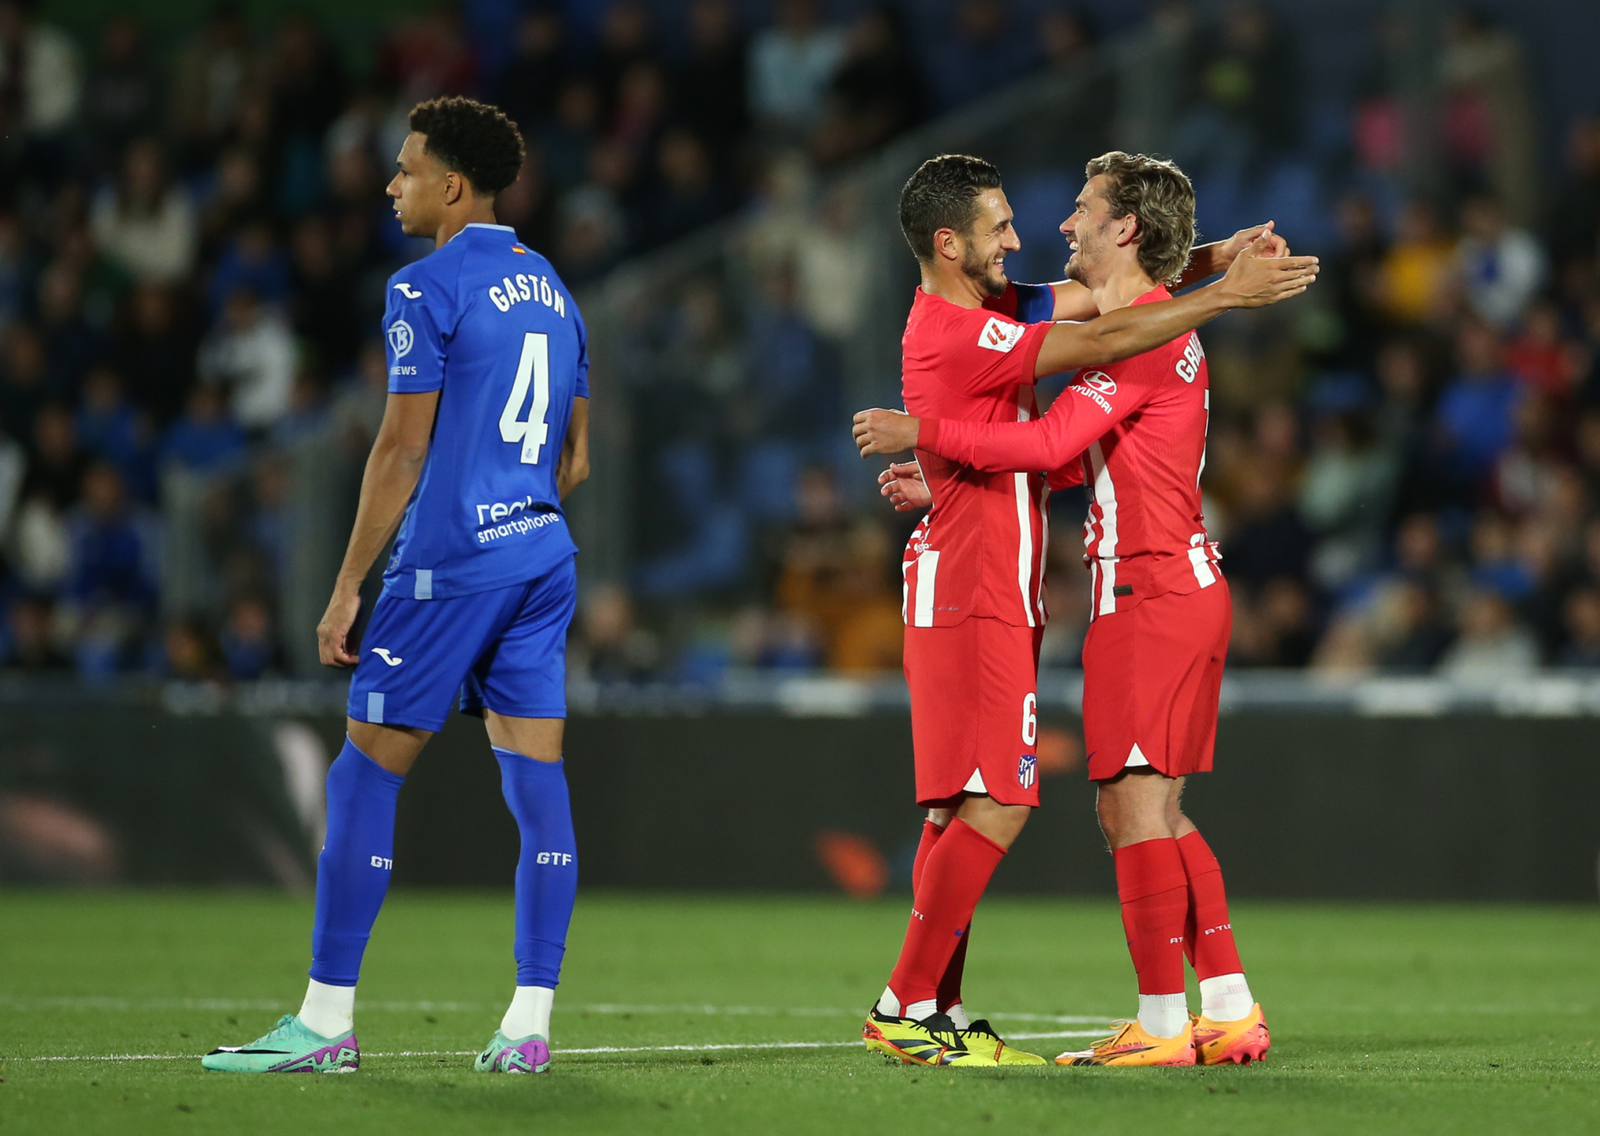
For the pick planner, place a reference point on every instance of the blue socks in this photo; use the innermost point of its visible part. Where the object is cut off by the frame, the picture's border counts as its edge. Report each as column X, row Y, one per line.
column 547, row 870
column 353, row 869
column 357, row 857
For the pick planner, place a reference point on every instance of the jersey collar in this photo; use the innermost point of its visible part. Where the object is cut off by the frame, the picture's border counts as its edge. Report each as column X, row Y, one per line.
column 484, row 225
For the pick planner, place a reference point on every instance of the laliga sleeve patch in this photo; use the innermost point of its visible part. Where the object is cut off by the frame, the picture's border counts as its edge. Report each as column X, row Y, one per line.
column 998, row 335
column 400, row 338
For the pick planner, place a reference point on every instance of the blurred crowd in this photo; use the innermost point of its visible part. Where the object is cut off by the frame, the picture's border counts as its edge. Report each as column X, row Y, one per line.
column 193, row 238
column 1404, row 467
column 1405, row 473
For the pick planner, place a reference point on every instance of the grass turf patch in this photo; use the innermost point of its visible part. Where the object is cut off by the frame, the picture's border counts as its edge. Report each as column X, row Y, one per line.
column 1409, row 1019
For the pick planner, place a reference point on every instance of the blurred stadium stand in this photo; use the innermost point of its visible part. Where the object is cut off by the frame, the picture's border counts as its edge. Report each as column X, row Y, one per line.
column 1404, row 466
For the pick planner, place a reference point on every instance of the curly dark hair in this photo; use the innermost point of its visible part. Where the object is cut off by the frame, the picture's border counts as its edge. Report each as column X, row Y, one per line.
column 940, row 196
column 475, row 140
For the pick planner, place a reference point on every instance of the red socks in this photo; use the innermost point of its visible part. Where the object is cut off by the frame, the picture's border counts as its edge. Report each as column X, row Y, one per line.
column 1208, row 937
column 930, row 836
column 1155, row 903
column 954, row 872
column 950, row 985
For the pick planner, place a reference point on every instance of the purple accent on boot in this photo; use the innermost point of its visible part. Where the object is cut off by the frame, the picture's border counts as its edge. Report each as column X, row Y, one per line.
column 343, row 1056
column 531, row 1055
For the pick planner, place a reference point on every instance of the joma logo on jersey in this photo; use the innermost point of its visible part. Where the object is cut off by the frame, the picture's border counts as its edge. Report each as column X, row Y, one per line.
column 1189, row 366
column 997, row 336
column 559, row 859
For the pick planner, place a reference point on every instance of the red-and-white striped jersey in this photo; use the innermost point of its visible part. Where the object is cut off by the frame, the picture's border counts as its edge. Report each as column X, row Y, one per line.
column 980, row 549
column 1139, row 429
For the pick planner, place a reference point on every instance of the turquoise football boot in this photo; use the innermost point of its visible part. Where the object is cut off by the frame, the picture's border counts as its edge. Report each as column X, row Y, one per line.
column 529, row 1054
column 289, row 1048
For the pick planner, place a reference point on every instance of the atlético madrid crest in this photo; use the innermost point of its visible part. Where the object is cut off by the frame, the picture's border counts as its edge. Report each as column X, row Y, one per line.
column 1027, row 770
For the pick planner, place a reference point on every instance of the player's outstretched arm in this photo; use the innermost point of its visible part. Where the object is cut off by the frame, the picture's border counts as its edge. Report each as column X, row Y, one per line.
column 1078, row 416
column 1208, row 260
column 573, row 469
column 1075, row 302
column 1253, row 280
column 393, row 469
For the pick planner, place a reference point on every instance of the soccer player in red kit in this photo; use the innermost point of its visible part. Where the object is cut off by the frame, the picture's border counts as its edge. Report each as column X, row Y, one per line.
column 1160, row 609
column 974, row 569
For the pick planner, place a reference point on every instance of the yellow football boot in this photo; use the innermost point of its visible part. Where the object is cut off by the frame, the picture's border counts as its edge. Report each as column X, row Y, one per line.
column 932, row 1041
column 1130, row 1045
column 1241, row 1042
column 980, row 1037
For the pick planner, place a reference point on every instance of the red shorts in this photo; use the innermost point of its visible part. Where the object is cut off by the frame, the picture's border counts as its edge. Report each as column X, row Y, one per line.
column 974, row 711
column 1151, row 676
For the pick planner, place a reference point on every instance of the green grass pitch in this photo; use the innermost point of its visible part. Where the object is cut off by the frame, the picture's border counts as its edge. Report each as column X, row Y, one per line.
column 1403, row 1019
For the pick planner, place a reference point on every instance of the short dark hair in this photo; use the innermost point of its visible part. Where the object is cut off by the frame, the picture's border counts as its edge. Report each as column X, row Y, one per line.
column 475, row 140
column 1160, row 196
column 940, row 196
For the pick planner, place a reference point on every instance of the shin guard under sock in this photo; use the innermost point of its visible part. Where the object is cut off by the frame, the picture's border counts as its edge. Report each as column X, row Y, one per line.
column 1155, row 902
column 1209, row 938
column 547, row 869
column 953, row 880
column 949, row 994
column 354, row 865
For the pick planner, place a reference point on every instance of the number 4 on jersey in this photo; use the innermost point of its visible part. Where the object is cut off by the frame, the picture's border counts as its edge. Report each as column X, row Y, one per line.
column 534, row 368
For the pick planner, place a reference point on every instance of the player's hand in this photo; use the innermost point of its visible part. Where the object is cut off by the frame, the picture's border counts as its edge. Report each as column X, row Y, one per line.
column 1228, row 251
column 333, row 632
column 1257, row 277
column 885, row 432
column 902, row 483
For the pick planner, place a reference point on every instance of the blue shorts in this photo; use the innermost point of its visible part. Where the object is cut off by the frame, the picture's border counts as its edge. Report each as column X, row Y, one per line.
column 504, row 649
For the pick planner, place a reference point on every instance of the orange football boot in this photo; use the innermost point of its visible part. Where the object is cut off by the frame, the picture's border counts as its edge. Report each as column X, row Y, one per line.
column 1130, row 1045
column 1243, row 1041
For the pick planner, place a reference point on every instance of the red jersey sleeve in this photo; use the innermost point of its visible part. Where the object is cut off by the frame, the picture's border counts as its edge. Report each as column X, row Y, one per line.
column 1083, row 412
column 985, row 353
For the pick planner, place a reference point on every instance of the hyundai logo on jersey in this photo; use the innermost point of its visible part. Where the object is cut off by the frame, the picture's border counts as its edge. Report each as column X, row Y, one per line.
column 1027, row 770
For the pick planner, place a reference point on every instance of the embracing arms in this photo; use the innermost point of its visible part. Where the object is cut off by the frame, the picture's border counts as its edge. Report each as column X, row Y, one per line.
column 1073, row 300
column 1254, row 279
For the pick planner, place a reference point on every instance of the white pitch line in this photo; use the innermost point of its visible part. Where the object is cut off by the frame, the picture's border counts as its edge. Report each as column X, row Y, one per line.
column 563, row 1052
column 92, row 1002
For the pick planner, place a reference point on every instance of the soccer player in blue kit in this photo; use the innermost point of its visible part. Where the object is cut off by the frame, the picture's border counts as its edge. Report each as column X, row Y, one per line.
column 485, row 431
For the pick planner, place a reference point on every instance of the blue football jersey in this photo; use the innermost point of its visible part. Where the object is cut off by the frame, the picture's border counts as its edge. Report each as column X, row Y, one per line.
column 488, row 324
